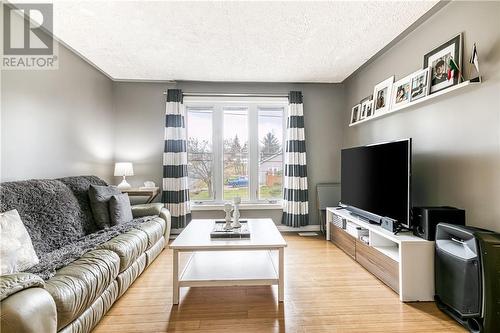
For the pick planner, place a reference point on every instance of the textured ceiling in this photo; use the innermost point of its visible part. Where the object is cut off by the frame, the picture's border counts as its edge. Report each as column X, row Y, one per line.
column 232, row 41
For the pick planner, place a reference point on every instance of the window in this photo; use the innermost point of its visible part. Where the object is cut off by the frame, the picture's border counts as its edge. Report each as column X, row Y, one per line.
column 200, row 154
column 235, row 148
column 270, row 153
column 235, row 164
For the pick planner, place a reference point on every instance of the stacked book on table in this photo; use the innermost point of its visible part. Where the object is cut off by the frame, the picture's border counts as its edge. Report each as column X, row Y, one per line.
column 219, row 231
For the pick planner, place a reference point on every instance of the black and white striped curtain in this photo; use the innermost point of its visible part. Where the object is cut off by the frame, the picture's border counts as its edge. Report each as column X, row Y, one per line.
column 296, row 204
column 175, row 193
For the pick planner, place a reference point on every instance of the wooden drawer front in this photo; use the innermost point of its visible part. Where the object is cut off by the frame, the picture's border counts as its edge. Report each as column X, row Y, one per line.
column 343, row 240
column 380, row 265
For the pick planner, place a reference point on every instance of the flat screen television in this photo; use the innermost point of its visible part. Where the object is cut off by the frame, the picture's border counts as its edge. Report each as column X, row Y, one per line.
column 376, row 181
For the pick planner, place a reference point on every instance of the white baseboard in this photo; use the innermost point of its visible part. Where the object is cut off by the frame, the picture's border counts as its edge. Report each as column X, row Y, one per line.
column 311, row 227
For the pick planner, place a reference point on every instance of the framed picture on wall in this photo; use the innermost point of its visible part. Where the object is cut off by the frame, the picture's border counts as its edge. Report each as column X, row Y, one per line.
column 439, row 61
column 401, row 91
column 367, row 107
column 355, row 113
column 419, row 84
column 382, row 95
column 364, row 108
column 362, row 112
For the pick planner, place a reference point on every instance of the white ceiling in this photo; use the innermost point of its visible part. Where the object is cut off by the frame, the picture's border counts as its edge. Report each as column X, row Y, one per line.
column 232, row 41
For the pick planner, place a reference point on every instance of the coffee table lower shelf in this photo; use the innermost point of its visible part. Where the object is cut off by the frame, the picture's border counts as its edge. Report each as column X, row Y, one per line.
column 231, row 268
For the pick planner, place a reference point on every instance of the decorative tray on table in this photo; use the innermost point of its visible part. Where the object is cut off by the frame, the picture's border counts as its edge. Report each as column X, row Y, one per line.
column 239, row 233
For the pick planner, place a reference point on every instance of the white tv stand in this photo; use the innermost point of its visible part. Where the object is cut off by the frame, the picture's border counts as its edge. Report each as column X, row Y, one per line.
column 404, row 262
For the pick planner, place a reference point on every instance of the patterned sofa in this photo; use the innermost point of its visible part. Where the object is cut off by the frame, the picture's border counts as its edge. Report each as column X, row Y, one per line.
column 74, row 297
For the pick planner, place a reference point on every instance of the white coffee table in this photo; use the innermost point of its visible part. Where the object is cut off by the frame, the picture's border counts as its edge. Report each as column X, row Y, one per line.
column 231, row 262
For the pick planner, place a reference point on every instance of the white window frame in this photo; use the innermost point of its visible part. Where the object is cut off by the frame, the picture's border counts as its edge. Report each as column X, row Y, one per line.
column 253, row 105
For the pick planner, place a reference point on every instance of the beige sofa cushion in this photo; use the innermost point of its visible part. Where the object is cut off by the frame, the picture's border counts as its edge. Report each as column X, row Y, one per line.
column 154, row 229
column 89, row 319
column 154, row 209
column 154, row 251
column 151, row 209
column 76, row 286
column 127, row 277
column 129, row 246
column 12, row 283
column 30, row 310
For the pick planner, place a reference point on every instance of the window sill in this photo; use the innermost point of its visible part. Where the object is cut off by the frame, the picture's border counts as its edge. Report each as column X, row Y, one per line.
column 243, row 206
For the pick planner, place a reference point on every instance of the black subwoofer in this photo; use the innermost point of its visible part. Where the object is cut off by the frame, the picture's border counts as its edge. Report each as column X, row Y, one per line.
column 467, row 276
column 425, row 219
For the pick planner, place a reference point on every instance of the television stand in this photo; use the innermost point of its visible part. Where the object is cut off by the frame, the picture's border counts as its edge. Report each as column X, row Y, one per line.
column 403, row 262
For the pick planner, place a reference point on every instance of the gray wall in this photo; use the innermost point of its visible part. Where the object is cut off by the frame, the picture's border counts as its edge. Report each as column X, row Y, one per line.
column 76, row 121
column 140, row 109
column 456, row 138
column 56, row 122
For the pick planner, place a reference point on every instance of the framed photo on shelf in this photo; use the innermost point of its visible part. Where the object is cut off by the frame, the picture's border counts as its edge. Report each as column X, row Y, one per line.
column 401, row 91
column 367, row 107
column 439, row 61
column 363, row 114
column 382, row 94
column 355, row 113
column 419, row 84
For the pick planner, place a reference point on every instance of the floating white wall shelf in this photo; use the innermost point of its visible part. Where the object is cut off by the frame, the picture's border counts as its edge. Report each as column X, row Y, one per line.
column 418, row 101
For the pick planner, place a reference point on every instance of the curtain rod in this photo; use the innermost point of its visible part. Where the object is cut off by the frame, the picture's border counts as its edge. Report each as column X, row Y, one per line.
column 230, row 95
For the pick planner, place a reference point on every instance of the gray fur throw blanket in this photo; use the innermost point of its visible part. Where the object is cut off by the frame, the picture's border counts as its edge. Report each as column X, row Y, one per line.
column 58, row 217
column 52, row 261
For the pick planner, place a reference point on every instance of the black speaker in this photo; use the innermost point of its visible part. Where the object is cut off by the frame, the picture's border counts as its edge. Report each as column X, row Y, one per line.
column 458, row 270
column 425, row 219
column 467, row 276
column 489, row 244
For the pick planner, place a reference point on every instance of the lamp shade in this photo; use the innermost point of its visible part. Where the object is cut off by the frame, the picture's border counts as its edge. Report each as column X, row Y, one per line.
column 124, row 169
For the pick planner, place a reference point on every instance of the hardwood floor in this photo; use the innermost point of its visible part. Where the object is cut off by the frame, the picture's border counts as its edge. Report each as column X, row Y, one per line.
column 325, row 291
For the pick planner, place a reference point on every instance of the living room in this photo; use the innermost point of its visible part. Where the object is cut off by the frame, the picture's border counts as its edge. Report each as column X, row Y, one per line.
column 251, row 166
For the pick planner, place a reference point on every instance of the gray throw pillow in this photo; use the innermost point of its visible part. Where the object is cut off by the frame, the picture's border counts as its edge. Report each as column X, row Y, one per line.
column 99, row 202
column 119, row 209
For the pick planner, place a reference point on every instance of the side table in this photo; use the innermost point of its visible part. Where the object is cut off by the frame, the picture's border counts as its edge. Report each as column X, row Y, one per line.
column 149, row 192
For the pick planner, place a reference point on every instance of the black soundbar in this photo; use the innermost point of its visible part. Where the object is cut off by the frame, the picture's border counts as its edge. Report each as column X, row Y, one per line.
column 372, row 218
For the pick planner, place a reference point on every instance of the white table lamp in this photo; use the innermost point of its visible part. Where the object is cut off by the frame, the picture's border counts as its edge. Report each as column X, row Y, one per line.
column 124, row 169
